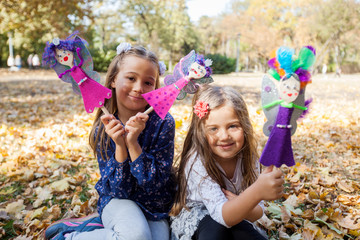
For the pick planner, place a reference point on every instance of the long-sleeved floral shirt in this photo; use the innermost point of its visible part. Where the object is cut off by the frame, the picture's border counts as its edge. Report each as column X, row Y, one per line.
column 148, row 180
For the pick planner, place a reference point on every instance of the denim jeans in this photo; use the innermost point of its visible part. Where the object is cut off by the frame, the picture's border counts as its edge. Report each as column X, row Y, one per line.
column 124, row 220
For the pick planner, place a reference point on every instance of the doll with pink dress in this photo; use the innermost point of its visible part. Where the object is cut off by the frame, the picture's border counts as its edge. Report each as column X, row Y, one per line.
column 73, row 64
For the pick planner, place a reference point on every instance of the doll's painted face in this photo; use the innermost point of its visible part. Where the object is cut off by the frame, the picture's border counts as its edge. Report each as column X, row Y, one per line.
column 289, row 89
column 196, row 71
column 65, row 57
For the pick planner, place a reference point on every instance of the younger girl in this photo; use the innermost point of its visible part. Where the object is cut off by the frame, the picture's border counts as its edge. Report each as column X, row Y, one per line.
column 135, row 154
column 219, row 187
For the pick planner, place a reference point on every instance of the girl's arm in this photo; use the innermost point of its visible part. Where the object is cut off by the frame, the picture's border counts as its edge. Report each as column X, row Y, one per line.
column 115, row 171
column 114, row 174
column 254, row 214
column 152, row 167
column 269, row 186
column 116, row 132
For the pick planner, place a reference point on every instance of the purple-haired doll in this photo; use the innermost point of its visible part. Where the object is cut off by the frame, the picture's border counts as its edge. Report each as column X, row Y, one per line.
column 73, row 63
column 191, row 71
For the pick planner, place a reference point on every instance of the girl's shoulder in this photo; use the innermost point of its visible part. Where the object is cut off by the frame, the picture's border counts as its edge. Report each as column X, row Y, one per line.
column 195, row 166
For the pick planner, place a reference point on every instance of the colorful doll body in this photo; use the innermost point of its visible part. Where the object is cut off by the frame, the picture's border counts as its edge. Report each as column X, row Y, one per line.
column 192, row 70
column 283, row 106
column 77, row 69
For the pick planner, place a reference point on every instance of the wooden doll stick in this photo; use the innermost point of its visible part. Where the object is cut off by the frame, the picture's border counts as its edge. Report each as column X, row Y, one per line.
column 149, row 110
column 105, row 111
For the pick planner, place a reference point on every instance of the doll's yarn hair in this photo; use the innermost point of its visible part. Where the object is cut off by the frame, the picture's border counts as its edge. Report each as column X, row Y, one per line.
column 201, row 60
column 68, row 44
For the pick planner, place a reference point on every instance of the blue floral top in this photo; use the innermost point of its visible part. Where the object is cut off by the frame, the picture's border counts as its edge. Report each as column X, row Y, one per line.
column 147, row 180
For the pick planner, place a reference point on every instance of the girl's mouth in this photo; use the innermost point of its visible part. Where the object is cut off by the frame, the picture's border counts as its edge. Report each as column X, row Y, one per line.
column 66, row 58
column 135, row 97
column 226, row 146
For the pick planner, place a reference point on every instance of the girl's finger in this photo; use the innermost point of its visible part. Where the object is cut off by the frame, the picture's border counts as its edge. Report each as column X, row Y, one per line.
column 105, row 119
column 142, row 116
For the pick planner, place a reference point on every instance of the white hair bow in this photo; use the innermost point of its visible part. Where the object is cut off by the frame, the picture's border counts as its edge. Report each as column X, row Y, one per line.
column 123, row 47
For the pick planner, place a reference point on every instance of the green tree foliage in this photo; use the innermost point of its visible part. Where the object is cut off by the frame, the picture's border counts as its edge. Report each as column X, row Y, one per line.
column 222, row 64
column 163, row 24
column 33, row 22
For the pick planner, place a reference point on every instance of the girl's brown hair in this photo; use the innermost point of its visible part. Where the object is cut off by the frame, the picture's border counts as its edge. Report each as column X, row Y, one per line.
column 97, row 135
column 196, row 144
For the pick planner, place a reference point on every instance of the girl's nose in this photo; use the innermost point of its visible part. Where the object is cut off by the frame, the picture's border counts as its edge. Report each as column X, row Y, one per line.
column 223, row 135
column 138, row 87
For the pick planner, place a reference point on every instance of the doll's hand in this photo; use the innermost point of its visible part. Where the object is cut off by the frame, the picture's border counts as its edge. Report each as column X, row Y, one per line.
column 114, row 129
column 229, row 195
column 134, row 126
column 270, row 184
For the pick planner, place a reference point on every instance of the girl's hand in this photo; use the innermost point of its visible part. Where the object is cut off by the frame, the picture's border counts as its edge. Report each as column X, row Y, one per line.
column 114, row 129
column 270, row 184
column 229, row 195
column 134, row 126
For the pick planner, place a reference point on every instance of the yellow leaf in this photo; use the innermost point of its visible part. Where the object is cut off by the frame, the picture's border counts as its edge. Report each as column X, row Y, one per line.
column 15, row 207
column 346, row 186
column 292, row 200
column 38, row 212
column 355, row 233
column 313, row 228
column 349, row 223
column 61, row 185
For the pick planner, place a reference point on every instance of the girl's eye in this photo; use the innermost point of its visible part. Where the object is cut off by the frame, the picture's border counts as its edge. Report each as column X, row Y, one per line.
column 149, row 83
column 131, row 78
column 288, row 87
column 211, row 130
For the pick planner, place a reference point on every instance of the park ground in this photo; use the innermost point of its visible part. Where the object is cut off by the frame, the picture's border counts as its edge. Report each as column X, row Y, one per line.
column 48, row 172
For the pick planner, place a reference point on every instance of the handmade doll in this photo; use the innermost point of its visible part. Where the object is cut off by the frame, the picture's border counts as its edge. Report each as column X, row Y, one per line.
column 191, row 71
column 73, row 63
column 284, row 104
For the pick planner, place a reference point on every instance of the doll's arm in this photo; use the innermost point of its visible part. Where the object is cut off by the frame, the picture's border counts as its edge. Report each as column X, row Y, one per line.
column 300, row 107
column 79, row 55
column 62, row 74
column 272, row 104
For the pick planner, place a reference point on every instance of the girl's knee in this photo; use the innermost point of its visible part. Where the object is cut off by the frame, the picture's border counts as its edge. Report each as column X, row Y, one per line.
column 133, row 232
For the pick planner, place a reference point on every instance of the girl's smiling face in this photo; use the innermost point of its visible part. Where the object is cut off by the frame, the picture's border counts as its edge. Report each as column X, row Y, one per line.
column 136, row 77
column 289, row 89
column 65, row 57
column 224, row 133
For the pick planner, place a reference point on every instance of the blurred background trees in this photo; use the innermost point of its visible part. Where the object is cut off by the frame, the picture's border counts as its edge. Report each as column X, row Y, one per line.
column 248, row 29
